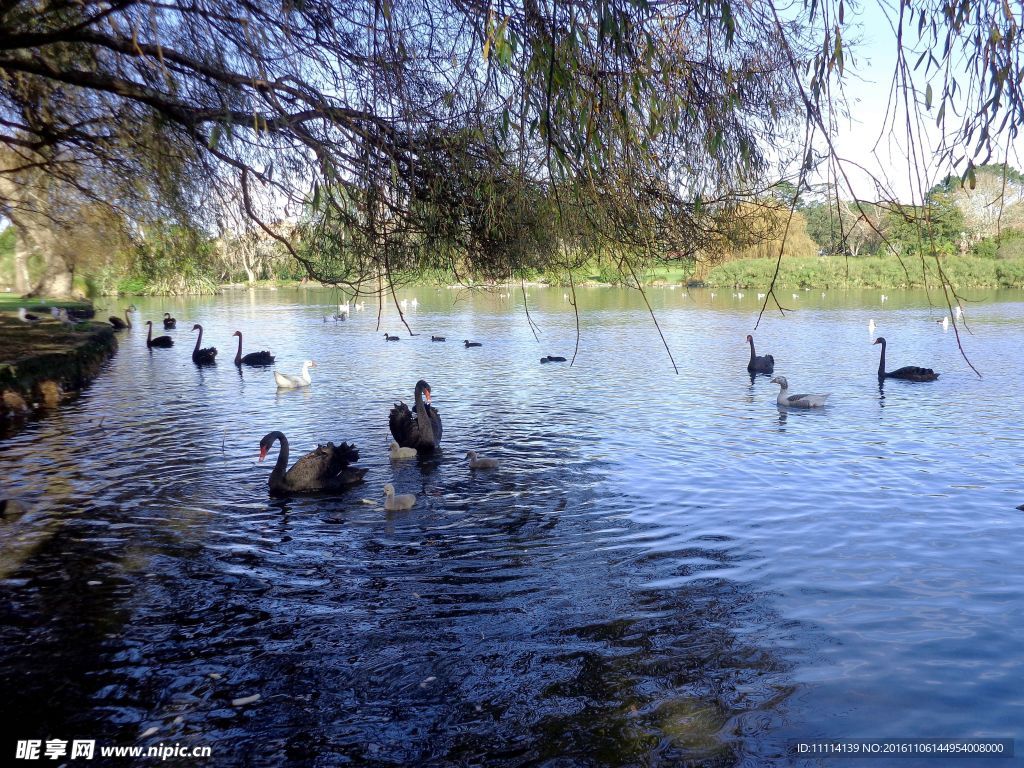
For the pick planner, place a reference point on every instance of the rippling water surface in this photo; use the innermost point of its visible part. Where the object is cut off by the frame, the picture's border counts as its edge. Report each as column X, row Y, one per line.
column 664, row 568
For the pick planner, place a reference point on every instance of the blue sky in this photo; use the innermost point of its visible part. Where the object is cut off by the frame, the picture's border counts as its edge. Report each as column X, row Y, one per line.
column 863, row 138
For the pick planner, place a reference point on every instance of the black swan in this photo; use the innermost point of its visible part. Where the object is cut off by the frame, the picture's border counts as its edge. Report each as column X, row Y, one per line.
column 552, row 359
column 120, row 324
column 324, row 469
column 206, row 356
column 907, row 372
column 389, row 337
column 159, row 341
column 253, row 358
column 169, row 322
column 78, row 315
column 420, row 430
column 437, row 338
column 762, row 364
column 469, row 343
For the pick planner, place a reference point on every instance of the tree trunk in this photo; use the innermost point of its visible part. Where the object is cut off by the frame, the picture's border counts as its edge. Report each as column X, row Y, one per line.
column 39, row 235
column 56, row 282
column 21, row 277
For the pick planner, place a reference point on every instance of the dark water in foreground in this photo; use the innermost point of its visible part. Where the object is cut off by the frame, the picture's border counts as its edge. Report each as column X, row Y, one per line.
column 664, row 569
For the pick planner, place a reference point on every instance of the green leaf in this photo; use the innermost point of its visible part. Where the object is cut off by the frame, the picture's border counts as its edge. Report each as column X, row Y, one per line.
column 215, row 136
column 928, row 97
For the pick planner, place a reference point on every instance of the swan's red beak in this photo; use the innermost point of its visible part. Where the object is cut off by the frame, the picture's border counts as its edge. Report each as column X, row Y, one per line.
column 263, row 452
column 426, row 395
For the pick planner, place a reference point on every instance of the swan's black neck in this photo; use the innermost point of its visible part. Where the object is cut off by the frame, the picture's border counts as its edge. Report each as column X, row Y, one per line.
column 281, row 466
column 752, row 356
column 422, row 417
column 199, row 340
column 881, row 362
column 149, row 336
column 127, row 319
column 238, row 354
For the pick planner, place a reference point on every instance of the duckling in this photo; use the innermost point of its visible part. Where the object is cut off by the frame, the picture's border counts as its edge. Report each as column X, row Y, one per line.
column 469, row 343
column 389, row 337
column 552, row 359
column 398, row 452
column 481, row 462
column 438, row 338
column 393, row 503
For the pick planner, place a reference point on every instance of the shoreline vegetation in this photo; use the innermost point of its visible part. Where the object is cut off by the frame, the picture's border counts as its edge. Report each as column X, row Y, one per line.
column 816, row 272
column 47, row 363
column 964, row 272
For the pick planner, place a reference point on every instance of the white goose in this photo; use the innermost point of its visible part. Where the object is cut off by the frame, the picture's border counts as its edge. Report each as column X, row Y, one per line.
column 797, row 401
column 284, row 381
column 397, row 503
column 398, row 452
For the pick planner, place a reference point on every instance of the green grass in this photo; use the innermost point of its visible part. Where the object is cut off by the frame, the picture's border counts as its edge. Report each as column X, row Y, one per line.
column 869, row 272
column 11, row 302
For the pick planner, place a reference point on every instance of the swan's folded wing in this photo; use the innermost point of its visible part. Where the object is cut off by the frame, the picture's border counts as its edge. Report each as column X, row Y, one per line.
column 339, row 457
column 435, row 423
column 402, row 424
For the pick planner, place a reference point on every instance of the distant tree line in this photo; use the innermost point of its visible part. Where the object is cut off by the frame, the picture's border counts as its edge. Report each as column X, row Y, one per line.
column 369, row 139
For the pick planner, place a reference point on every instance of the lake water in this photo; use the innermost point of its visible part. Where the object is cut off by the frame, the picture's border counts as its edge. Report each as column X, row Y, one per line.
column 665, row 568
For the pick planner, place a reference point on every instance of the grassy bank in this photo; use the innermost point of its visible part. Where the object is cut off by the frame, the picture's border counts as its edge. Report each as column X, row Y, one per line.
column 869, row 272
column 44, row 363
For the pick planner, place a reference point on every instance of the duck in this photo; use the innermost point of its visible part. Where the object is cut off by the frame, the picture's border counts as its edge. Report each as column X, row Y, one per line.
column 420, row 430
column 759, row 364
column 469, row 343
column 393, row 503
column 397, row 452
column 907, row 372
column 170, row 323
column 159, row 341
column 322, row 470
column 438, row 338
column 871, row 327
column 958, row 311
column 120, row 324
column 945, row 323
column 884, row 298
column 797, row 401
column 284, row 381
column 206, row 356
column 253, row 358
column 552, row 359
column 27, row 317
column 389, row 337
column 480, row 462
